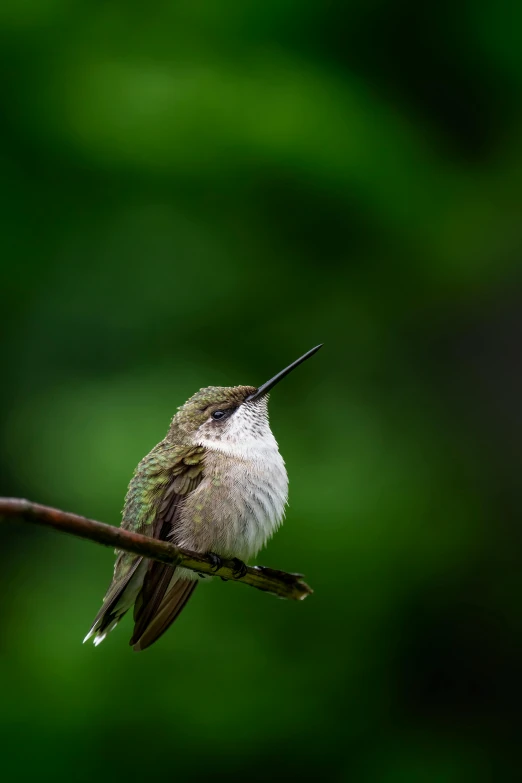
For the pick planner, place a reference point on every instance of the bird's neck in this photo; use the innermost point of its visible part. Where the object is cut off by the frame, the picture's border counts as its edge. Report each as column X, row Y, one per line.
column 248, row 448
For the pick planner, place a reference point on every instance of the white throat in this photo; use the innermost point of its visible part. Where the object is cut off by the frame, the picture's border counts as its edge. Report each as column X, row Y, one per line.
column 246, row 435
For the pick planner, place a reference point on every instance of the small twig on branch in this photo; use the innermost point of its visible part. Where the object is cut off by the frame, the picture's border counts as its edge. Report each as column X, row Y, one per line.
column 270, row 580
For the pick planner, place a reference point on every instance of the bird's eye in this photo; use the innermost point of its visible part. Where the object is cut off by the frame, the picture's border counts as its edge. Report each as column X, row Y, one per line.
column 218, row 415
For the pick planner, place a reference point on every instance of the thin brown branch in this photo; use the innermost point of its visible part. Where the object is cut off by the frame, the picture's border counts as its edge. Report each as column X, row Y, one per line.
column 270, row 580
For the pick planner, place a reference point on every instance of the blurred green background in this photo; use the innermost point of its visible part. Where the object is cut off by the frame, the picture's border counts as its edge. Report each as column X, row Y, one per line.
column 195, row 193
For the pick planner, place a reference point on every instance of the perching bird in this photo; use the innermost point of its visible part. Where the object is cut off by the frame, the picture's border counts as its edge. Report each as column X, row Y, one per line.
column 216, row 483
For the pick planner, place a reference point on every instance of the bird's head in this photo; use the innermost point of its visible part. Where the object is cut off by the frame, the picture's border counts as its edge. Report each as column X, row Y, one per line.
column 221, row 414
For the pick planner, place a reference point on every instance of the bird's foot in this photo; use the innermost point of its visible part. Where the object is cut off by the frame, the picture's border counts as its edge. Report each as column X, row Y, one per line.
column 240, row 568
column 216, row 561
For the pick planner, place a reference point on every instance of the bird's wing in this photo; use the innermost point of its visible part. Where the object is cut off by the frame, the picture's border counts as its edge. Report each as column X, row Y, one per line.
column 153, row 503
column 164, row 593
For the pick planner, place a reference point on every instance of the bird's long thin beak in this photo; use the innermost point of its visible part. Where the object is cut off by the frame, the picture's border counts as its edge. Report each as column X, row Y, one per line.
column 265, row 388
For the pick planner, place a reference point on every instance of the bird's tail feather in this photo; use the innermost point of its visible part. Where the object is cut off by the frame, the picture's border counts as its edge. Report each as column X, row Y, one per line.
column 151, row 625
column 119, row 599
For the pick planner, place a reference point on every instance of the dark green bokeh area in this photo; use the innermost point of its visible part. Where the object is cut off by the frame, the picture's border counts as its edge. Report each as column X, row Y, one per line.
column 195, row 193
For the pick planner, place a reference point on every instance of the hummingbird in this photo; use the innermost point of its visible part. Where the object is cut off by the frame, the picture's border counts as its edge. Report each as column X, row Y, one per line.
column 216, row 484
